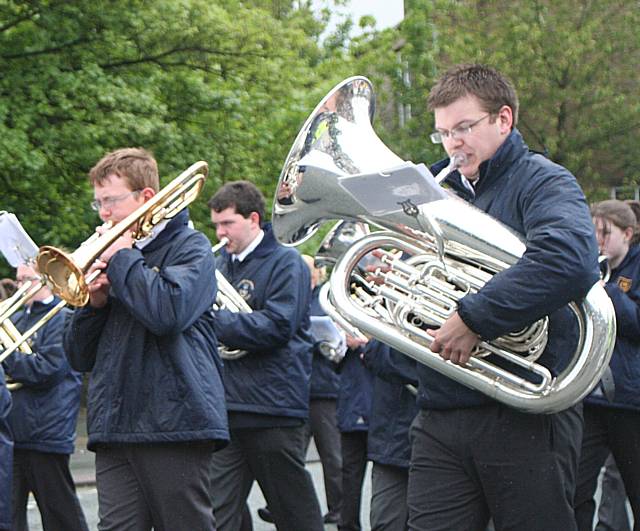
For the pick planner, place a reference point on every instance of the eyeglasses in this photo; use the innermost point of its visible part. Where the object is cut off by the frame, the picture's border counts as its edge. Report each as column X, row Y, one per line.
column 438, row 137
column 22, row 280
column 108, row 202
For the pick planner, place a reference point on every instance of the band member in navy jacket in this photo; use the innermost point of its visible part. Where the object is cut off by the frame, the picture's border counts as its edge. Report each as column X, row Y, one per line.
column 472, row 457
column 354, row 414
column 612, row 410
column 267, row 390
column 392, row 412
column 43, row 416
column 156, row 409
column 6, row 457
column 323, row 421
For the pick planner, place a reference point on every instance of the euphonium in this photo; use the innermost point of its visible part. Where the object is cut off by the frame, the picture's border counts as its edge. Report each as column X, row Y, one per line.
column 335, row 243
column 436, row 249
column 65, row 273
column 228, row 298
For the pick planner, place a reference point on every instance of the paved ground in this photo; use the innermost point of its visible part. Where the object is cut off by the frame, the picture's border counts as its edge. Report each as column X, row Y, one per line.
column 82, row 468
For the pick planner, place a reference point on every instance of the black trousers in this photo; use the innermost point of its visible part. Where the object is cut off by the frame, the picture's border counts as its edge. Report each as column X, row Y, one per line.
column 468, row 465
column 275, row 458
column 612, row 511
column 164, row 486
column 608, row 430
column 47, row 476
column 323, row 425
column 389, row 497
column 354, row 466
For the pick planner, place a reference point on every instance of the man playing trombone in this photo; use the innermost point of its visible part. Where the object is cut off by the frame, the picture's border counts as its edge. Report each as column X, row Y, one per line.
column 156, row 407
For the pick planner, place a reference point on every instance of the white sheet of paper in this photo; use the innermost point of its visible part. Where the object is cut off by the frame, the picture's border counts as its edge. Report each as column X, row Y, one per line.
column 15, row 244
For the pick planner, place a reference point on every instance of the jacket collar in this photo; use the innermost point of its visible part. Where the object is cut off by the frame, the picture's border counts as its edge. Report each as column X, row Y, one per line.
column 631, row 257
column 174, row 225
column 491, row 170
column 38, row 307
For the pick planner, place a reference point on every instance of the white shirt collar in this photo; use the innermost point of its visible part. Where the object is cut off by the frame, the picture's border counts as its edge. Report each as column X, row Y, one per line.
column 468, row 185
column 256, row 241
column 157, row 229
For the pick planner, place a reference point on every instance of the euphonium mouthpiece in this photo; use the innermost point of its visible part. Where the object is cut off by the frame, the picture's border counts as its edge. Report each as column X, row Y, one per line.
column 456, row 161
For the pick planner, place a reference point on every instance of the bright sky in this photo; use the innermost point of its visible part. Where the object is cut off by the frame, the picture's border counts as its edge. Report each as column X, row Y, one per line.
column 387, row 13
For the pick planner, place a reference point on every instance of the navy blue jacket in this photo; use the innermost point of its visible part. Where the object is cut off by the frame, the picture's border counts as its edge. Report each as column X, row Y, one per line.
column 541, row 201
column 155, row 370
column 355, row 397
column 45, row 408
column 624, row 290
column 325, row 380
column 393, row 409
column 6, row 456
column 273, row 378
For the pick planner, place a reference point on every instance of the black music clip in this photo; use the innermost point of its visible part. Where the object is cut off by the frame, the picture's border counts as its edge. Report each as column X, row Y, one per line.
column 409, row 208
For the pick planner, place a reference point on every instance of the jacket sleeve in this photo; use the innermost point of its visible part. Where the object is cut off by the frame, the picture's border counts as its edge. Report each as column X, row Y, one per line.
column 48, row 363
column 286, row 306
column 82, row 335
column 558, row 266
column 389, row 364
column 170, row 300
column 627, row 308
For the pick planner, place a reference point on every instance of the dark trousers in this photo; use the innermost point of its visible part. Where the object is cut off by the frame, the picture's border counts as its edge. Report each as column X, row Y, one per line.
column 354, row 466
column 612, row 510
column 389, row 497
column 323, row 425
column 608, row 430
column 468, row 465
column 47, row 476
column 164, row 486
column 274, row 457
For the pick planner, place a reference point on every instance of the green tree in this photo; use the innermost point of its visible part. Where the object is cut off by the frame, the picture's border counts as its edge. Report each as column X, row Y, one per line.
column 223, row 81
column 573, row 64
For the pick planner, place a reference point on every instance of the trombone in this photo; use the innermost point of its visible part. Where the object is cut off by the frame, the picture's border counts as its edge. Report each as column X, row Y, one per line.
column 65, row 272
column 10, row 338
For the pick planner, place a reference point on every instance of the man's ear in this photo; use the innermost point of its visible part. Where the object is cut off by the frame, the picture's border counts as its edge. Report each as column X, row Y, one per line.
column 148, row 193
column 255, row 218
column 505, row 119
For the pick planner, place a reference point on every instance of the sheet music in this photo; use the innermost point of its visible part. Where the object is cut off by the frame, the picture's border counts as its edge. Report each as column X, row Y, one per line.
column 385, row 192
column 15, row 244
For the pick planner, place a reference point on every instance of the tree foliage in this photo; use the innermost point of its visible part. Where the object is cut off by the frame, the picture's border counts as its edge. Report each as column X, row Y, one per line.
column 192, row 79
column 573, row 65
column 231, row 82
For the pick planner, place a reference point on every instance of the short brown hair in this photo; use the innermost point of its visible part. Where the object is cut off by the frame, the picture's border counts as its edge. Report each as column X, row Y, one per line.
column 135, row 165
column 243, row 196
column 492, row 89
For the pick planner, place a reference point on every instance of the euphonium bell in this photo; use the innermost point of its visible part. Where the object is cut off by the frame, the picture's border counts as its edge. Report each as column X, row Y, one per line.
column 436, row 249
